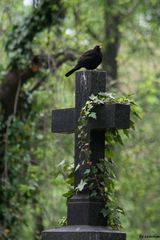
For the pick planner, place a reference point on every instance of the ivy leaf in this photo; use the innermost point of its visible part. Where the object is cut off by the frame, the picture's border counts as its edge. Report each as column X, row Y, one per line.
column 92, row 97
column 81, row 185
column 109, row 153
column 132, row 124
column 119, row 139
column 99, row 102
column 70, row 180
column 138, row 115
column 61, row 163
column 68, row 194
column 94, row 194
column 77, row 167
column 92, row 115
column 110, row 95
column 125, row 131
column 105, row 212
column 120, row 210
column 103, row 94
column 87, row 171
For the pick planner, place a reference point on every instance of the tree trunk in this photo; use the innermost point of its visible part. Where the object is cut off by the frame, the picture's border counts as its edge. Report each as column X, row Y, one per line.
column 112, row 41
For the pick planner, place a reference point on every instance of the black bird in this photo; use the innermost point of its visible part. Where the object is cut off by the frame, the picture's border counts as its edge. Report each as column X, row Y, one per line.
column 89, row 60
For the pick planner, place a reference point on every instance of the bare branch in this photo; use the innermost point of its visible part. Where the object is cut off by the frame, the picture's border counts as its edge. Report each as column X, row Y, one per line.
column 37, row 85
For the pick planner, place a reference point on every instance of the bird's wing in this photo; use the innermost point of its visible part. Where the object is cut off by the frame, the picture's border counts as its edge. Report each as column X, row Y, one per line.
column 89, row 55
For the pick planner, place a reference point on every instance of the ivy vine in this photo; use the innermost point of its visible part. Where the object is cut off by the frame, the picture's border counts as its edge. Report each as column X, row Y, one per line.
column 101, row 178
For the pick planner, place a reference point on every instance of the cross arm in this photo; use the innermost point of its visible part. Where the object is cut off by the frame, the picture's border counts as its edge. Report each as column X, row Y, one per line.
column 111, row 116
column 63, row 120
column 108, row 116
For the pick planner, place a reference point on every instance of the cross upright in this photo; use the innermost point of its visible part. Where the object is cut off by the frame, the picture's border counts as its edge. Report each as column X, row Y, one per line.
column 82, row 208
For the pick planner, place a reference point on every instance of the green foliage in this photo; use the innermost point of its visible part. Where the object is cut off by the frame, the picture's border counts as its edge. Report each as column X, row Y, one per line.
column 21, row 184
column 19, row 43
column 22, row 173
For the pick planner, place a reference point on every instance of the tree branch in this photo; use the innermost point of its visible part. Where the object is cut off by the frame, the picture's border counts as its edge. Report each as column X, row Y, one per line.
column 17, row 96
column 59, row 58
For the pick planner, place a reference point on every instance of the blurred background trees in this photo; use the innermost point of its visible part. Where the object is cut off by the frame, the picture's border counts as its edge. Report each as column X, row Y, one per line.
column 39, row 40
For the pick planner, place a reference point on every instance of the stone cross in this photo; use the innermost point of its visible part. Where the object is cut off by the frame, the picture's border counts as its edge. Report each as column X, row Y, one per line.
column 82, row 209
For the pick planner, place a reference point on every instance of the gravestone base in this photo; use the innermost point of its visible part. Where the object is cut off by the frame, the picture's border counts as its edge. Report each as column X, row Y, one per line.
column 87, row 210
column 83, row 232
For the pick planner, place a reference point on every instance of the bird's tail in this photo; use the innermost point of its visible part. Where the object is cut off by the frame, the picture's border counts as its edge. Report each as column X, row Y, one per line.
column 71, row 71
